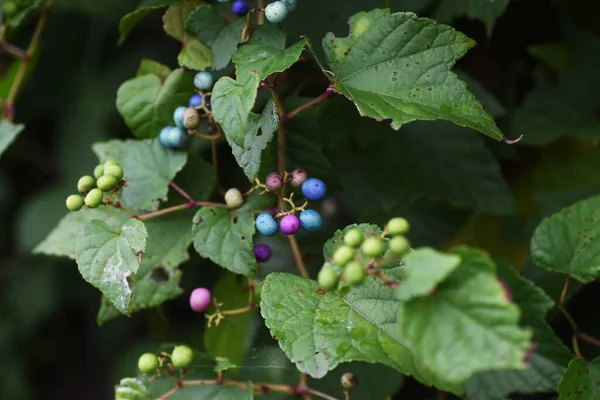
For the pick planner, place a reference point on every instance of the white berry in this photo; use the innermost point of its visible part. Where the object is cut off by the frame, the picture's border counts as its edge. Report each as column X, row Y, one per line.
column 290, row 4
column 203, row 80
column 276, row 12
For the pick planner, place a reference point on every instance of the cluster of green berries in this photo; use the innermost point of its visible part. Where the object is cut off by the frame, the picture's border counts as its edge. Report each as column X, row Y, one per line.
column 347, row 267
column 181, row 357
column 275, row 12
column 107, row 177
column 310, row 220
column 187, row 118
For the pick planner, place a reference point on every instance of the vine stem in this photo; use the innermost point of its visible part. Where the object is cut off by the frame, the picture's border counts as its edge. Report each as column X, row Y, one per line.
column 298, row 257
column 328, row 73
column 323, row 96
column 14, row 50
column 182, row 192
column 33, row 44
column 179, row 207
column 261, row 14
column 570, row 320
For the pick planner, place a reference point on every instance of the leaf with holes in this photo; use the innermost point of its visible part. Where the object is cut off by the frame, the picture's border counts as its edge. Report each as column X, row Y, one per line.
column 398, row 66
column 581, row 381
column 225, row 237
column 108, row 257
column 569, row 241
column 147, row 102
column 8, row 133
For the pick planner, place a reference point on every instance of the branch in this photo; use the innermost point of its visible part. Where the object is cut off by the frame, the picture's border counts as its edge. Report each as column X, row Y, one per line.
column 324, row 96
column 298, row 257
column 180, row 207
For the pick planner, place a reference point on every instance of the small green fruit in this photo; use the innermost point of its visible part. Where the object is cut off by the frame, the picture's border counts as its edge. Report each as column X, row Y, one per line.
column 349, row 380
column 115, row 171
column 182, row 356
column 94, row 198
column 399, row 245
column 99, row 171
column 106, row 183
column 85, row 184
column 110, row 162
column 398, row 226
column 327, row 278
column 148, row 363
column 353, row 237
column 234, row 198
column 74, row 202
column 354, row 273
column 343, row 255
column 372, row 246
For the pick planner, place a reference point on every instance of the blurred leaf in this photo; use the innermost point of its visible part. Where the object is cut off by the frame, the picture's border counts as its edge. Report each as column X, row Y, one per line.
column 144, row 8
column 106, row 8
column 231, row 338
column 488, row 11
column 147, row 102
column 580, row 381
column 195, row 55
column 8, row 133
column 23, row 9
column 131, row 389
column 556, row 55
column 226, row 44
column 175, row 17
column 425, row 88
column 205, row 23
column 150, row 67
column 225, row 237
column 108, row 257
column 148, row 168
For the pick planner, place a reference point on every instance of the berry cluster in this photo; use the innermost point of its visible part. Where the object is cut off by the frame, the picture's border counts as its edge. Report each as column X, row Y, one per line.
column 310, row 220
column 275, row 12
column 181, row 357
column 107, row 178
column 347, row 267
column 187, row 119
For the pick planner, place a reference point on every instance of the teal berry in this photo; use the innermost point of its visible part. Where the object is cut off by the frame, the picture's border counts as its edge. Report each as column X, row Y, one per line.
column 203, row 80
column 196, row 100
column 266, row 224
column 314, row 189
column 177, row 137
column 311, row 220
column 290, row 4
column 163, row 137
column 276, row 12
column 178, row 116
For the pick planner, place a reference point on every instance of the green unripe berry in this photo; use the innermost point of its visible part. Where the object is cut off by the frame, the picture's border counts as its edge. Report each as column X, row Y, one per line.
column 399, row 245
column 99, row 171
column 353, row 237
column 349, row 380
column 398, row 226
column 234, row 198
column 191, row 118
column 148, row 363
column 94, row 198
column 110, row 162
column 106, row 183
column 74, row 202
column 372, row 246
column 115, row 171
column 343, row 255
column 85, row 184
column 327, row 278
column 354, row 273
column 182, row 356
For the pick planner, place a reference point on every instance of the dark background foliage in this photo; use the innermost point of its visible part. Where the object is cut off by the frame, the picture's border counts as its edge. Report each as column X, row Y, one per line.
column 50, row 344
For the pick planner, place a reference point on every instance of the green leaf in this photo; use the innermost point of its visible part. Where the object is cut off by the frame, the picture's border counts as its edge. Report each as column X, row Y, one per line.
column 226, row 44
column 549, row 358
column 259, row 133
column 485, row 10
column 145, row 8
column 581, row 381
column 468, row 314
column 158, row 277
column 108, row 257
column 424, row 269
column 176, row 16
column 555, row 55
column 206, row 23
column 407, row 74
column 151, row 67
column 62, row 241
column 225, row 237
column 231, row 338
column 147, row 102
column 223, row 364
column 269, row 35
column 265, row 60
column 148, row 168
column 232, row 103
column 567, row 242
column 8, row 133
column 131, row 389
column 195, row 55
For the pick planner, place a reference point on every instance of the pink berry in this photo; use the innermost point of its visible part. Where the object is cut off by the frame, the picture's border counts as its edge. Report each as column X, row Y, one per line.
column 200, row 299
column 298, row 177
column 274, row 182
column 290, row 224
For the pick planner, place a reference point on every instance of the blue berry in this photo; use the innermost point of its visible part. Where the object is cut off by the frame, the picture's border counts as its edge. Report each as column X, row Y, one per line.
column 164, row 136
column 240, row 8
column 203, row 80
column 196, row 100
column 266, row 224
column 314, row 189
column 177, row 137
column 276, row 12
column 311, row 220
column 290, row 4
column 178, row 116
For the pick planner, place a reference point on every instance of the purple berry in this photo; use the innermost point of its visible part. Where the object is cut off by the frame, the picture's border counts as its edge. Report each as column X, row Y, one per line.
column 200, row 299
column 274, row 182
column 298, row 177
column 290, row 224
column 262, row 252
column 240, row 8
